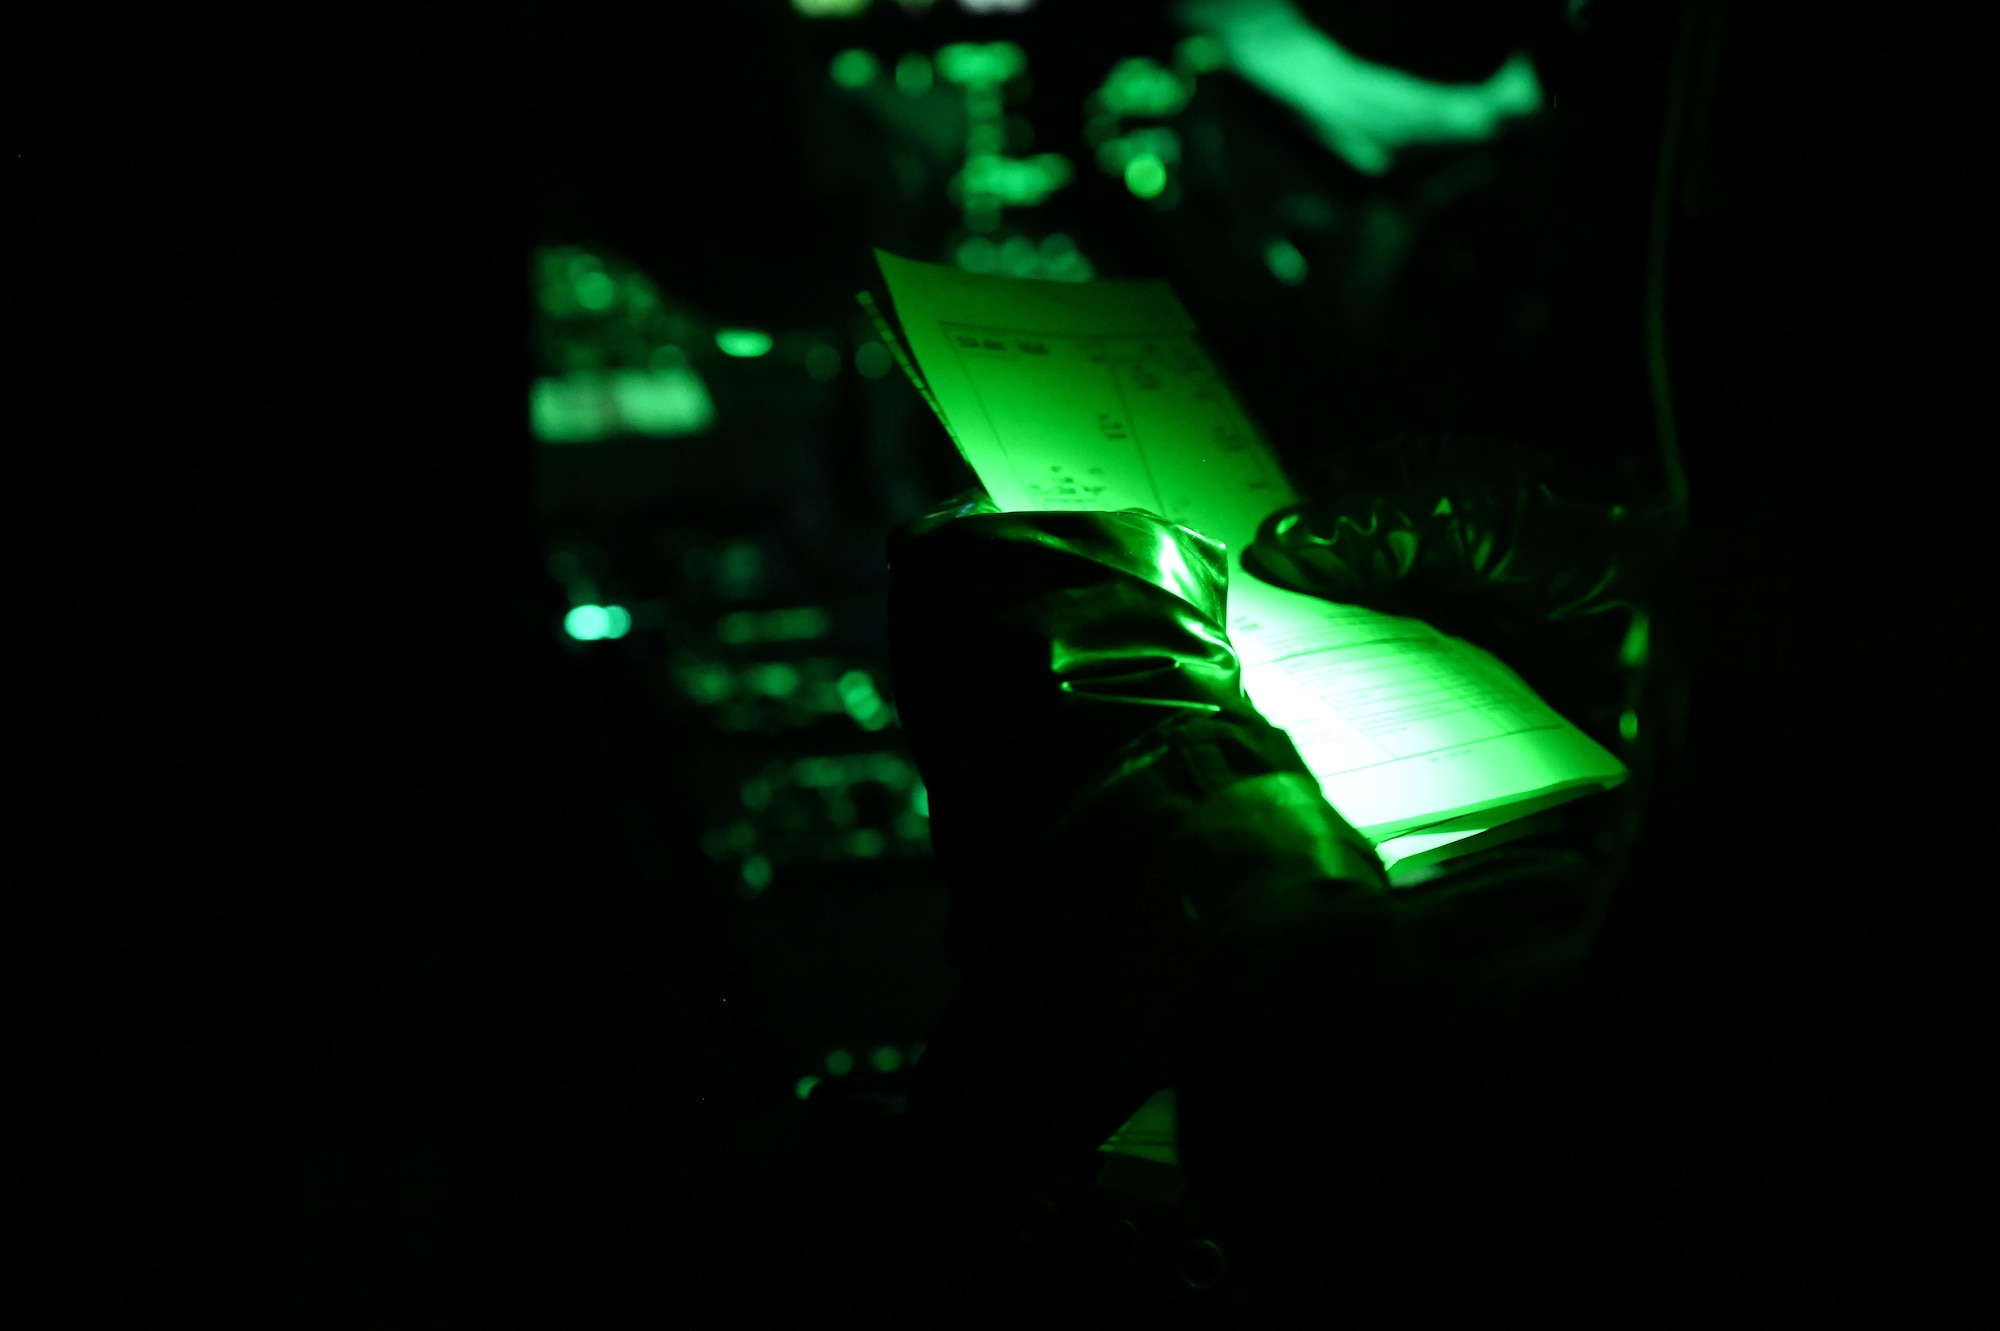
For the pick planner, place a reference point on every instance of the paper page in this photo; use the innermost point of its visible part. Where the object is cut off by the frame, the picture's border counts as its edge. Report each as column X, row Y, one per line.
column 1417, row 858
column 1097, row 397
column 1086, row 397
column 1405, row 732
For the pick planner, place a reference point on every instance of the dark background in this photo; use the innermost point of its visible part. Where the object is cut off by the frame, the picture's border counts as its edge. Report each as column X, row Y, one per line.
column 378, row 974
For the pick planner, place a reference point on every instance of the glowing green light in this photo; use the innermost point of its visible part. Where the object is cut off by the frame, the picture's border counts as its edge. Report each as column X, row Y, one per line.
column 1141, row 87
column 664, row 402
column 707, row 682
column 561, row 414
column 823, row 363
column 1114, row 155
column 1202, row 54
column 589, row 623
column 831, row 8
column 1146, row 176
column 873, row 360
column 756, row 875
column 587, row 405
column 891, row 769
column 1636, row 647
column 863, row 703
column 807, row 621
column 920, row 800
column 744, row 342
column 803, row 1087
column 913, row 73
column 1628, row 725
column 596, row 291
column 978, row 255
column 866, row 843
column 840, row 1062
column 971, row 65
column 1063, row 262
column 1019, row 258
column 1285, row 262
column 1016, row 182
column 815, row 772
column 774, row 679
column 886, row 1058
column 797, row 624
column 855, row 69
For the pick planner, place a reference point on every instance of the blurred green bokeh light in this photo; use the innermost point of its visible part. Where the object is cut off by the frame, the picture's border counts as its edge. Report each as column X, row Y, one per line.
column 590, row 623
column 745, row 342
column 1146, row 176
column 855, row 69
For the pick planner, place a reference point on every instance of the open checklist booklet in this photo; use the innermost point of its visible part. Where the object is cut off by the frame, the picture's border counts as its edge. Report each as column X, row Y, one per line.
column 1097, row 396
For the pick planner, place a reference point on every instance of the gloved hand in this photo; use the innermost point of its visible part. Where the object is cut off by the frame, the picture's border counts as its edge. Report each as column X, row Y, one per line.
column 1469, row 535
column 1150, row 888
column 1391, row 1062
column 1099, row 786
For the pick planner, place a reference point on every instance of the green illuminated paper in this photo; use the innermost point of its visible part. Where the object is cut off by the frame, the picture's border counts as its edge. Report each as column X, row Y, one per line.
column 1097, row 396
column 1085, row 396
